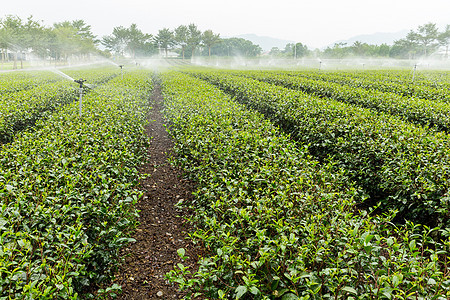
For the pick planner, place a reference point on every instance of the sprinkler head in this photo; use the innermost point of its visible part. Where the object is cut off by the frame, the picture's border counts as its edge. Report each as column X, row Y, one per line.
column 80, row 82
column 120, row 66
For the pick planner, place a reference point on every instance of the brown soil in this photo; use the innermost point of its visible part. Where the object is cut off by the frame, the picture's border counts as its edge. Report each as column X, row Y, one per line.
column 162, row 229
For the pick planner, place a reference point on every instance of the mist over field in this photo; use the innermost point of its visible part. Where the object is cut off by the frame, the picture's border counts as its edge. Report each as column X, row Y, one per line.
column 29, row 42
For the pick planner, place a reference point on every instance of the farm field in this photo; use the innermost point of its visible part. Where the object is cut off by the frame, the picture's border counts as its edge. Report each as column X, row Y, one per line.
column 307, row 185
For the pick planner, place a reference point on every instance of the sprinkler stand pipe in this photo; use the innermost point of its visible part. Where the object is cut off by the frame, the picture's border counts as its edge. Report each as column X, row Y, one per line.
column 81, row 101
column 80, row 105
column 414, row 72
column 121, row 70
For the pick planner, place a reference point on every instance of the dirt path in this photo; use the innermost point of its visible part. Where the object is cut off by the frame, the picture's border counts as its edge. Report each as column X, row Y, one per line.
column 162, row 228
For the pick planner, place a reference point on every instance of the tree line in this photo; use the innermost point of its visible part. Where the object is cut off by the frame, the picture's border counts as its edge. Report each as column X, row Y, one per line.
column 75, row 40
column 58, row 42
column 422, row 42
column 185, row 41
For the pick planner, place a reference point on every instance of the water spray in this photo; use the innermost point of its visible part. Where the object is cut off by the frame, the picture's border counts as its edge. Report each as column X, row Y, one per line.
column 81, row 83
column 62, row 74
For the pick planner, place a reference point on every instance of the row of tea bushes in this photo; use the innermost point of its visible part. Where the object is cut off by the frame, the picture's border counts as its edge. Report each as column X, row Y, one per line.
column 426, row 86
column 401, row 165
column 278, row 225
column 11, row 82
column 424, row 112
column 67, row 193
column 21, row 110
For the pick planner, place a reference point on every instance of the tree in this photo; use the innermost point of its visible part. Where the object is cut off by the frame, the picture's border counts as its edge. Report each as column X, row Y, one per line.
column 194, row 37
column 88, row 41
column 444, row 39
column 300, row 50
column 74, row 38
column 427, row 36
column 136, row 40
column 236, row 46
column 165, row 39
column 339, row 50
column 117, row 41
column 65, row 41
column 14, row 35
column 291, row 50
column 383, row 50
column 406, row 47
column 36, row 37
column 84, row 30
column 131, row 40
column 210, row 39
column 358, row 48
column 275, row 51
column 5, row 41
column 181, row 37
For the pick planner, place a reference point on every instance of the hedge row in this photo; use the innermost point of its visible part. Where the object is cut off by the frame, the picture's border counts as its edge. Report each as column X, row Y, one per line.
column 21, row 110
column 424, row 112
column 278, row 225
column 11, row 82
column 404, row 166
column 425, row 86
column 67, row 193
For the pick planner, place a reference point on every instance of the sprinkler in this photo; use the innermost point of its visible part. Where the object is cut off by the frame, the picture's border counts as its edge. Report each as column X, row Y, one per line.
column 414, row 72
column 121, row 70
column 81, row 83
column 320, row 65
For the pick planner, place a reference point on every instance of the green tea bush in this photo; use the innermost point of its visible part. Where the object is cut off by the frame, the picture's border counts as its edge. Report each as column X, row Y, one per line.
column 11, row 82
column 22, row 109
column 41, row 97
column 67, row 193
column 427, row 85
column 424, row 112
column 275, row 223
column 399, row 165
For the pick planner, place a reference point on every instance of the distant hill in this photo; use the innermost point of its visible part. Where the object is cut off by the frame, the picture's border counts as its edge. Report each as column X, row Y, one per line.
column 375, row 38
column 265, row 42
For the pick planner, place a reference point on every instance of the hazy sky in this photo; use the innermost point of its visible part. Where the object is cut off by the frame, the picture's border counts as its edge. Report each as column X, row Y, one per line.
column 315, row 23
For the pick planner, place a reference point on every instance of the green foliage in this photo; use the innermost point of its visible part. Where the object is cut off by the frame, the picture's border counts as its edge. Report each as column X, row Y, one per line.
column 297, row 50
column 28, row 100
column 427, row 85
column 210, row 39
column 16, row 82
column 416, row 43
column 67, row 194
column 357, row 49
column 401, row 165
column 279, row 225
column 59, row 42
column 165, row 39
column 235, row 46
column 21, row 110
column 432, row 113
column 130, row 40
